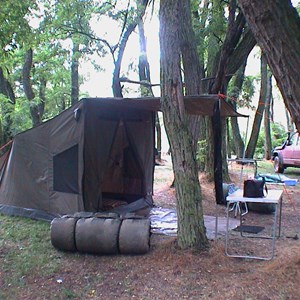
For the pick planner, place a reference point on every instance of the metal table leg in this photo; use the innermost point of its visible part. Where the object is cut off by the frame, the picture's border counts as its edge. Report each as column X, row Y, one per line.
column 273, row 235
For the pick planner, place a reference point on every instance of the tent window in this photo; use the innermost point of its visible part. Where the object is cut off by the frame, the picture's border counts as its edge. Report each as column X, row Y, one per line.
column 65, row 171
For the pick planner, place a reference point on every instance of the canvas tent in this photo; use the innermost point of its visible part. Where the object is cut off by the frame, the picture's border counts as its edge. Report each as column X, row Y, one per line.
column 94, row 155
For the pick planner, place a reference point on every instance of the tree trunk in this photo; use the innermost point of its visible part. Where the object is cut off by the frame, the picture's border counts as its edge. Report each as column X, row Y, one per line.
column 116, row 84
column 144, row 68
column 240, row 53
column 75, row 74
column 236, row 135
column 219, row 85
column 27, row 85
column 6, row 88
column 144, row 75
column 191, row 229
column 6, row 109
column 267, row 119
column 289, row 123
column 259, row 111
column 193, row 71
column 236, row 59
column 28, row 90
column 42, row 96
column 37, row 110
column 276, row 27
column 233, row 35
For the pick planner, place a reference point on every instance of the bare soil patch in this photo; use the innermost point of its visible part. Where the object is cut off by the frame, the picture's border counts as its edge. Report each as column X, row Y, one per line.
column 169, row 273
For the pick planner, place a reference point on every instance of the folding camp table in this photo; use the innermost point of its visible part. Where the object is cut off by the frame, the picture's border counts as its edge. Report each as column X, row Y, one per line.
column 273, row 197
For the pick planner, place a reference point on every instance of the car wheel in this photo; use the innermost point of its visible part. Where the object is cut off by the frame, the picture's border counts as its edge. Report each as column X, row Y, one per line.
column 278, row 167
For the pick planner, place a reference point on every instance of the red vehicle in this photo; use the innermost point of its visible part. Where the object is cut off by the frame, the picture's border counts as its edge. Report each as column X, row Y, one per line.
column 288, row 154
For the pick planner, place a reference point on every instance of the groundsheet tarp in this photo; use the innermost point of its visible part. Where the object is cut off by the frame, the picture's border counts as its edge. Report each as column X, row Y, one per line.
column 164, row 221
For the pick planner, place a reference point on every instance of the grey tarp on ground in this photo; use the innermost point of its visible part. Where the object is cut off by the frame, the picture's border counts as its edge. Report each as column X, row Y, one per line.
column 98, row 148
column 164, row 221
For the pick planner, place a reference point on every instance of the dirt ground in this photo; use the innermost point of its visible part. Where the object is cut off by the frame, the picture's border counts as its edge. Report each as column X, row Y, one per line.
column 166, row 272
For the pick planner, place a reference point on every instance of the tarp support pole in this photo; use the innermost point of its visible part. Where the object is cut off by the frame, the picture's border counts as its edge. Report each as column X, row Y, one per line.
column 217, row 132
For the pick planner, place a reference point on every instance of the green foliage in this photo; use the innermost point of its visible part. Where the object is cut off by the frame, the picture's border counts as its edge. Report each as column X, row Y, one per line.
column 48, row 28
column 216, row 30
column 278, row 136
column 201, row 152
column 247, row 92
column 14, row 29
column 20, row 116
column 52, row 29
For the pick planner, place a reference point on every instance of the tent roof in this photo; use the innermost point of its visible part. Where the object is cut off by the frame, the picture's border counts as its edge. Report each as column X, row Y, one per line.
column 195, row 105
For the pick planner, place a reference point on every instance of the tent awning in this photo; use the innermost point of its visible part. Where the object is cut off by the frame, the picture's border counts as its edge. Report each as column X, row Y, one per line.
column 195, row 105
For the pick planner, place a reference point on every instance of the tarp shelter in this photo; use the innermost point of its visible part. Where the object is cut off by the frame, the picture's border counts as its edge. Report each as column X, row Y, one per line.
column 94, row 156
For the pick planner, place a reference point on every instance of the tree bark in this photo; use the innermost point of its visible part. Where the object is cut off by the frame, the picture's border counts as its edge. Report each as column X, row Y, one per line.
column 233, row 35
column 193, row 71
column 191, row 229
column 75, row 74
column 35, row 113
column 259, row 111
column 6, row 108
column 289, row 123
column 144, row 68
column 236, row 135
column 6, row 88
column 267, row 119
column 219, row 85
column 276, row 27
column 27, row 85
column 240, row 53
column 116, row 84
column 145, row 76
column 42, row 96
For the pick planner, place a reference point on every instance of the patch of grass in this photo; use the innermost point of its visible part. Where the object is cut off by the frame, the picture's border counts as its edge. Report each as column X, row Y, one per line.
column 264, row 167
column 25, row 249
column 69, row 294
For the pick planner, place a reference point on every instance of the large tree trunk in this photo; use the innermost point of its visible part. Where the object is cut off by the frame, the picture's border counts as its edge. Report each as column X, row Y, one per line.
column 259, row 111
column 191, row 229
column 276, row 27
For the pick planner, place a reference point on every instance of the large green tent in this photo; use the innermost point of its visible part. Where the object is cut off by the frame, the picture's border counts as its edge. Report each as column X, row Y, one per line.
column 97, row 155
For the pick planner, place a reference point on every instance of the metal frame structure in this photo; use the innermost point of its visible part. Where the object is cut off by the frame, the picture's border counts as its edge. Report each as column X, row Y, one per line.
column 273, row 197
